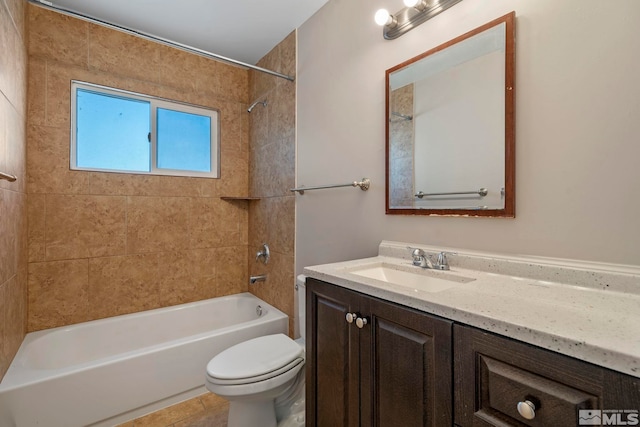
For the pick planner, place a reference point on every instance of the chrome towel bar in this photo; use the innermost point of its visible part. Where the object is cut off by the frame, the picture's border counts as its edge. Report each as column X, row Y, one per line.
column 364, row 186
column 481, row 192
column 8, row 177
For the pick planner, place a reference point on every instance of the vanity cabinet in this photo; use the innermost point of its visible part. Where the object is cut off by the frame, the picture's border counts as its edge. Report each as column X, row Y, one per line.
column 375, row 363
column 494, row 375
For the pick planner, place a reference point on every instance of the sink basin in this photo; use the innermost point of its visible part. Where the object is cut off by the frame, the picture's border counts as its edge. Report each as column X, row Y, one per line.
column 424, row 280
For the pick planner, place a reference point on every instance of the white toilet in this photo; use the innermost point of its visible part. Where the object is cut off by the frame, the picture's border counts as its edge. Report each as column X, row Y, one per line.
column 262, row 378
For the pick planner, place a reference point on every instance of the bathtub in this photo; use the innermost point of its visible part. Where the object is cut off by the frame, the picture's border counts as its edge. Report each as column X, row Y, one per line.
column 109, row 371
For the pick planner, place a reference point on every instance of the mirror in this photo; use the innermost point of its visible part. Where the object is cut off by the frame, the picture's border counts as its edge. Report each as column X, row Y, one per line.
column 450, row 146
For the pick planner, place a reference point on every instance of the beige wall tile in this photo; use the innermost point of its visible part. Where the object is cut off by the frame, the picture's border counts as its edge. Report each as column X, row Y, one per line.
column 58, row 37
column 232, row 82
column 15, row 149
column 79, row 226
column 123, row 284
column 123, row 184
column 12, row 61
column 36, row 91
column 176, row 281
column 121, row 54
column 288, row 61
column 231, row 270
column 36, row 219
column 17, row 10
column 282, row 229
column 207, row 82
column 177, row 186
column 157, row 224
column 232, row 219
column 9, row 217
column 234, row 180
column 204, row 267
column 13, row 210
column 179, row 69
column 232, row 118
column 259, row 223
column 48, row 163
column 15, row 315
column 58, row 293
column 282, row 114
column 5, row 107
column 202, row 230
column 5, row 355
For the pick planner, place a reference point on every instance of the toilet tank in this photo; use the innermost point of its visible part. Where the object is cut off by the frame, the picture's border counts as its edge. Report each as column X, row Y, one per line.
column 300, row 304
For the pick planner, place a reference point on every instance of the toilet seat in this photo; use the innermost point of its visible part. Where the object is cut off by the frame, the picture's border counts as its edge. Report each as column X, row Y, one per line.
column 255, row 360
column 266, row 376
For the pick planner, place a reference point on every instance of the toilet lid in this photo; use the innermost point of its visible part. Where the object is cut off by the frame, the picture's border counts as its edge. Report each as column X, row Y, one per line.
column 255, row 357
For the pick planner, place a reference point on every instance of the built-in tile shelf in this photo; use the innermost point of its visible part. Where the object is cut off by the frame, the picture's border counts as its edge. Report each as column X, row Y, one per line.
column 233, row 198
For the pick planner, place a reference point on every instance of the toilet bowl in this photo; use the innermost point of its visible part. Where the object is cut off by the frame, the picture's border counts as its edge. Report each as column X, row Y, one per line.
column 262, row 378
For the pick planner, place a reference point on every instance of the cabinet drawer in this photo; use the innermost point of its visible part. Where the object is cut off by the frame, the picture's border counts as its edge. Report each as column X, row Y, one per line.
column 505, row 387
column 493, row 374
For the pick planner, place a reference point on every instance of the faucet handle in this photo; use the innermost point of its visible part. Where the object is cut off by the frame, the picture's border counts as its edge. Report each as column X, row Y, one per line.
column 264, row 254
column 415, row 252
column 443, row 263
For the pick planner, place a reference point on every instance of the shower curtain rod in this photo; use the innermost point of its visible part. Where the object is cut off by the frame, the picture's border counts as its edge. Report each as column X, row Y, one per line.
column 51, row 6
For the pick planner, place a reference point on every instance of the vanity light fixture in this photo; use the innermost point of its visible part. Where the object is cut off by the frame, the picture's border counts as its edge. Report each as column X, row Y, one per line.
column 415, row 13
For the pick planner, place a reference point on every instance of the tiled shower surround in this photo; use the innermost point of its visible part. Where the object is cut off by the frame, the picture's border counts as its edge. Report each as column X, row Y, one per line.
column 272, row 166
column 104, row 244
column 13, row 195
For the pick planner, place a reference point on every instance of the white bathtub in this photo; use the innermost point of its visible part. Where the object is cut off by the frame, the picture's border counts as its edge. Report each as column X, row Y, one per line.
column 108, row 371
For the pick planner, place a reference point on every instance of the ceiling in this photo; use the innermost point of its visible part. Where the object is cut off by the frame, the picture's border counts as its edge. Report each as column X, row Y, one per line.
column 244, row 30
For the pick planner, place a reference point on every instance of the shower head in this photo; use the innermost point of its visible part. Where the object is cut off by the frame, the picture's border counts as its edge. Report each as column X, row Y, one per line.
column 264, row 104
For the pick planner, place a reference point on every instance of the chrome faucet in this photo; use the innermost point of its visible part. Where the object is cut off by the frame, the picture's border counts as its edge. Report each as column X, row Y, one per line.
column 423, row 260
column 420, row 259
column 263, row 254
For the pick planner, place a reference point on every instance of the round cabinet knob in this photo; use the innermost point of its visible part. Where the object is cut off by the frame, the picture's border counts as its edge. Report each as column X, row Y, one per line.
column 351, row 317
column 527, row 409
column 361, row 321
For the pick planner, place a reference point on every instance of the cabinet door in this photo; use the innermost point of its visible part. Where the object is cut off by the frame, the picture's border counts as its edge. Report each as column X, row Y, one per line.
column 492, row 375
column 406, row 378
column 332, row 366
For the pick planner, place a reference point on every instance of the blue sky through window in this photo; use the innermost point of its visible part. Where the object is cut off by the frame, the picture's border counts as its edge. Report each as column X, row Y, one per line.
column 184, row 141
column 112, row 132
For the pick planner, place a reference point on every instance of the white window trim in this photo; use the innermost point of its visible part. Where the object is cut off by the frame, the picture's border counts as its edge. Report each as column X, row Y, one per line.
column 155, row 102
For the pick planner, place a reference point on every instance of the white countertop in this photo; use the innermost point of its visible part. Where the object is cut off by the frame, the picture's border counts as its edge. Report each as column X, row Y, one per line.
column 590, row 314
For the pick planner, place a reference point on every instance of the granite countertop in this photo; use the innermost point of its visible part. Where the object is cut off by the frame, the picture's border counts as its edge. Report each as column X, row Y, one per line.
column 587, row 311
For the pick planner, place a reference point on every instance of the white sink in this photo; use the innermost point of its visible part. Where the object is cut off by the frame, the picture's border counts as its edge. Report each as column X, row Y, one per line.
column 419, row 279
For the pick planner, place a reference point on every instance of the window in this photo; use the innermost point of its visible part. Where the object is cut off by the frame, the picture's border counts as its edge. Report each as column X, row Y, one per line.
column 118, row 131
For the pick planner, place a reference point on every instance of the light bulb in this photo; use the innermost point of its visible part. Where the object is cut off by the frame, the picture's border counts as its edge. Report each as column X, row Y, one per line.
column 383, row 17
column 418, row 4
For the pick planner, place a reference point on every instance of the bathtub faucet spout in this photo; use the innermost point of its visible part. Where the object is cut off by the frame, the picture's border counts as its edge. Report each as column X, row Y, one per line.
column 254, row 279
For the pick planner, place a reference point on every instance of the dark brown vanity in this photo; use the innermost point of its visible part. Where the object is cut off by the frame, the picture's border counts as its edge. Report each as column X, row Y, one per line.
column 372, row 362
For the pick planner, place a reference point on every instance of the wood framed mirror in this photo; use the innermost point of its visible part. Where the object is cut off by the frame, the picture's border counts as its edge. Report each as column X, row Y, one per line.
column 450, row 127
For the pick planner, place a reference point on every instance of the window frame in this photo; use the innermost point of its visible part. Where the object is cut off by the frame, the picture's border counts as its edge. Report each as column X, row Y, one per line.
column 154, row 104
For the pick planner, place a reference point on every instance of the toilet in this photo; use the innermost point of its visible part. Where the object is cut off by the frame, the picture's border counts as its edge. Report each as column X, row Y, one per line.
column 263, row 378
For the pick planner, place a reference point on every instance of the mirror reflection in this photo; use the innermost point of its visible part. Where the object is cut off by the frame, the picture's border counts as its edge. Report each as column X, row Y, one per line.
column 450, row 127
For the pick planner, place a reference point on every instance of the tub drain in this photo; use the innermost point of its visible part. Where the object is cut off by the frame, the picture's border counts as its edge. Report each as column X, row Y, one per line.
column 259, row 310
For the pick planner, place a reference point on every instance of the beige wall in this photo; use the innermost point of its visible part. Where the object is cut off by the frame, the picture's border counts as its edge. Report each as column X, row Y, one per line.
column 104, row 244
column 577, row 128
column 272, row 166
column 13, row 197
